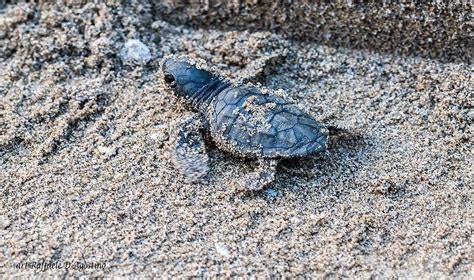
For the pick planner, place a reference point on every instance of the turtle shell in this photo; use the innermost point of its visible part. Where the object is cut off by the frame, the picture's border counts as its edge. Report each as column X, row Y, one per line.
column 245, row 121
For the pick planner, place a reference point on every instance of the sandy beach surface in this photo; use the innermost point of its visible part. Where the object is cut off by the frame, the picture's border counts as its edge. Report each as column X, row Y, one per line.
column 87, row 177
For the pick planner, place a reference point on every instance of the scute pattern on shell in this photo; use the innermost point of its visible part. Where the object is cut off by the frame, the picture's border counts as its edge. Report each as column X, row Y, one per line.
column 250, row 123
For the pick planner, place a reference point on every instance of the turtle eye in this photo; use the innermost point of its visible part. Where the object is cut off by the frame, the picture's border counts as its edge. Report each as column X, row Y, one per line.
column 170, row 80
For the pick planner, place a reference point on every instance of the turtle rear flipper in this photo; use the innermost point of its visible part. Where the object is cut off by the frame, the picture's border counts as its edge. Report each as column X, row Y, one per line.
column 263, row 176
column 190, row 156
column 336, row 130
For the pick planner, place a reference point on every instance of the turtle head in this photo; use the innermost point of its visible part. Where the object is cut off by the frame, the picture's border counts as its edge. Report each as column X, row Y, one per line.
column 184, row 78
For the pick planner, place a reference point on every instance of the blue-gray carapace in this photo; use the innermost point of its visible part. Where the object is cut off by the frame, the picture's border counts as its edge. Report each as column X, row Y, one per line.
column 242, row 120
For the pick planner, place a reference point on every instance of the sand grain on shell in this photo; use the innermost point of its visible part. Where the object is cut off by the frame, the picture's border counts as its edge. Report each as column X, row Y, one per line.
column 86, row 172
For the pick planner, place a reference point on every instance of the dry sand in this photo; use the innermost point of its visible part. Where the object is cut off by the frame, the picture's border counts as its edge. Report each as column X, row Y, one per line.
column 86, row 174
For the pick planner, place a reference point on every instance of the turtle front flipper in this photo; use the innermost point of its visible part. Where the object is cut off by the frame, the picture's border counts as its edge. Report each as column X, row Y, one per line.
column 189, row 155
column 263, row 176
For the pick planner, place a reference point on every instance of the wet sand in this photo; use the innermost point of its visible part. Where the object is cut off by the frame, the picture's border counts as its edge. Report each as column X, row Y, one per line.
column 86, row 173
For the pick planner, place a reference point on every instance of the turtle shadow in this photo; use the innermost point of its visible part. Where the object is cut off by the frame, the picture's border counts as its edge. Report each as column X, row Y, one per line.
column 346, row 155
column 346, row 151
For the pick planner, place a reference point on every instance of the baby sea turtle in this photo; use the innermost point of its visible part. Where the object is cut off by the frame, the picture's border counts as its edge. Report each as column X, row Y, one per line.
column 241, row 120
